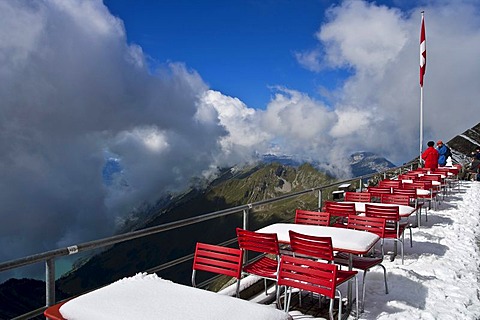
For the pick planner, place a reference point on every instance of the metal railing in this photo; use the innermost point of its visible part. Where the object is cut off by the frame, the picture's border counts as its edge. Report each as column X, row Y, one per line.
column 49, row 257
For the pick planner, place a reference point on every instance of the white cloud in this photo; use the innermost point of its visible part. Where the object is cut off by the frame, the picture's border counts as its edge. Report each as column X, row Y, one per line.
column 379, row 46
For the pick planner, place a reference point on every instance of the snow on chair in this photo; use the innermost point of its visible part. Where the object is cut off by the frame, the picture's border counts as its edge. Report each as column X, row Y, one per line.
column 218, row 259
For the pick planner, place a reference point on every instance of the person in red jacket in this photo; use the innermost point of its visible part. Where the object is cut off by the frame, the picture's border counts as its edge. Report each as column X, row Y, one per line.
column 430, row 156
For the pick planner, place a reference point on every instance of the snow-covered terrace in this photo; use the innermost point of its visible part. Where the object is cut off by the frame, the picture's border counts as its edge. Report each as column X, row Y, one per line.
column 439, row 279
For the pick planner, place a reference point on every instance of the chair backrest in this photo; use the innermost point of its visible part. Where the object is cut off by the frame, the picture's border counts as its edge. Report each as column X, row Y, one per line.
column 218, row 259
column 431, row 177
column 258, row 242
column 312, row 246
column 390, row 183
column 312, row 217
column 370, row 224
column 408, row 176
column 314, row 276
column 419, row 184
column 358, row 196
column 340, row 209
column 407, row 192
column 396, row 199
column 390, row 213
column 377, row 191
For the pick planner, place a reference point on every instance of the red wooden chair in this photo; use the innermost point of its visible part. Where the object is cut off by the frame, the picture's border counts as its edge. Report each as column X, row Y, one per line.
column 441, row 186
column 451, row 176
column 369, row 224
column 341, row 211
column 358, row 196
column 53, row 312
column 390, row 183
column 393, row 230
column 412, row 194
column 408, row 176
column 376, row 192
column 403, row 200
column 431, row 197
column 264, row 243
column 311, row 246
column 314, row 276
column 218, row 259
column 312, row 217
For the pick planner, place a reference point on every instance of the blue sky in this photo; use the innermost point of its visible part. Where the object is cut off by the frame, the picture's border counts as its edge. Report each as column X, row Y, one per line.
column 241, row 48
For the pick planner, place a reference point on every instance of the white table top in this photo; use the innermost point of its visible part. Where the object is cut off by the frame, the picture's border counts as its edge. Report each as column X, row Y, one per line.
column 346, row 240
column 148, row 297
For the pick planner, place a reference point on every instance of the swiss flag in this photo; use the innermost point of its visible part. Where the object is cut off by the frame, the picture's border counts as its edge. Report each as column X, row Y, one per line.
column 423, row 53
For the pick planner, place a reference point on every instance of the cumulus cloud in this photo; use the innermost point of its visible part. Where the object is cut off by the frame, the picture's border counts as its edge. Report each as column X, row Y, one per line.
column 379, row 46
column 74, row 94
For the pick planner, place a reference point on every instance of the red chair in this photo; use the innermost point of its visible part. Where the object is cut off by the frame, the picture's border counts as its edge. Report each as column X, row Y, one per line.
column 412, row 194
column 53, row 312
column 369, row 224
column 312, row 217
column 441, row 184
column 218, row 259
column 311, row 246
column 314, row 276
column 376, row 192
column 393, row 230
column 340, row 210
column 408, row 176
column 431, row 197
column 264, row 243
column 390, row 183
column 358, row 196
column 403, row 200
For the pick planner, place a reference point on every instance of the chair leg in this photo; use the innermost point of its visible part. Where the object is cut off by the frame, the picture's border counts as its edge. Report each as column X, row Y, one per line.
column 411, row 238
column 339, row 305
column 384, row 277
column 330, row 309
column 363, row 290
column 288, row 297
column 238, row 289
column 401, row 247
column 356, row 297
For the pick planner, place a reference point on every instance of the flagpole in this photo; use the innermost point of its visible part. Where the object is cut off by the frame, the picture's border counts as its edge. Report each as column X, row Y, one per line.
column 421, row 125
column 423, row 65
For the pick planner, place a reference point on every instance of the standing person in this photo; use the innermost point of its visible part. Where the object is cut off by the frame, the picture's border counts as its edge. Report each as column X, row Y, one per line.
column 477, row 153
column 442, row 153
column 430, row 156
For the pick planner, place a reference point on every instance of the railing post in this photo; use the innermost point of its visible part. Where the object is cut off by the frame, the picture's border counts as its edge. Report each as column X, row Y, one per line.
column 320, row 200
column 245, row 217
column 50, row 282
column 360, row 185
column 245, row 227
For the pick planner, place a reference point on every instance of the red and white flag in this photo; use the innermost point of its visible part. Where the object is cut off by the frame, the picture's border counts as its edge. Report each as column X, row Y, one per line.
column 423, row 52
